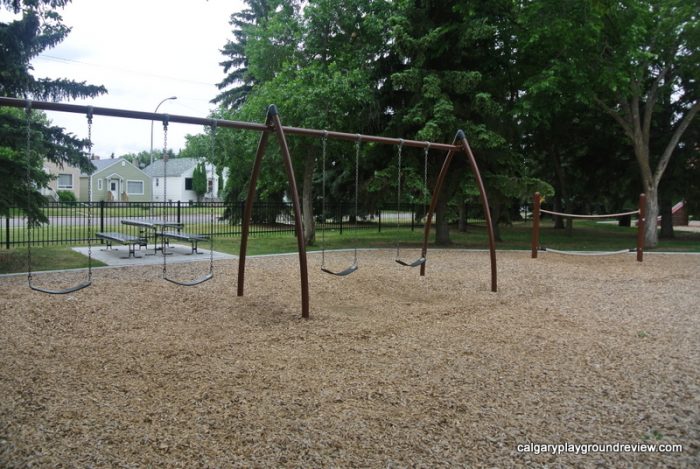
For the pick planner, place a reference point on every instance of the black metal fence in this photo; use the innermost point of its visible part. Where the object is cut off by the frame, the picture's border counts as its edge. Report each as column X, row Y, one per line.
column 77, row 222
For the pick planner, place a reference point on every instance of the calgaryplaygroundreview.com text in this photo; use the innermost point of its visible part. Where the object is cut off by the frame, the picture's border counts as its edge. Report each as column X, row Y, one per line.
column 573, row 448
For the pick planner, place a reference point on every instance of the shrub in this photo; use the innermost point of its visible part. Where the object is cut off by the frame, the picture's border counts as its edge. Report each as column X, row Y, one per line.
column 66, row 196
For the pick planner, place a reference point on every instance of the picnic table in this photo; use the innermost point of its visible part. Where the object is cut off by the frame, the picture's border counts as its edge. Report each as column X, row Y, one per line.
column 159, row 228
column 155, row 225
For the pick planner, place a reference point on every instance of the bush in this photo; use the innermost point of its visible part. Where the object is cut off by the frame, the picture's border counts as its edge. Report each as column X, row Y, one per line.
column 66, row 196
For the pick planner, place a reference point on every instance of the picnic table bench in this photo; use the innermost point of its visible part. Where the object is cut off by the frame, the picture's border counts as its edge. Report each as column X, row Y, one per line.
column 193, row 239
column 125, row 239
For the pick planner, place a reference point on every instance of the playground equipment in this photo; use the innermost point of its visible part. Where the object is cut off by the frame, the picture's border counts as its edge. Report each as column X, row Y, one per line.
column 167, row 235
column 353, row 267
column 421, row 259
column 537, row 210
column 273, row 125
column 88, row 281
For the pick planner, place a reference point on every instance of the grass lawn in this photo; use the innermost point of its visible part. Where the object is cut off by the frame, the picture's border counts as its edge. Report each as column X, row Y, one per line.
column 43, row 258
column 587, row 235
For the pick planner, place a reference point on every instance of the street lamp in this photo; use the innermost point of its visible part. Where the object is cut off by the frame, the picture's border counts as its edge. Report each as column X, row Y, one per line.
column 166, row 99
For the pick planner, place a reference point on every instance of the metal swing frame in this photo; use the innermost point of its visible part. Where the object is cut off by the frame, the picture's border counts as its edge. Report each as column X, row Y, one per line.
column 273, row 125
column 210, row 274
column 30, row 283
column 354, row 266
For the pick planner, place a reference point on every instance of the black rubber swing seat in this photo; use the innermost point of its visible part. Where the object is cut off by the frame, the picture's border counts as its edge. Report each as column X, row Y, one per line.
column 342, row 273
column 416, row 263
column 191, row 283
column 64, row 291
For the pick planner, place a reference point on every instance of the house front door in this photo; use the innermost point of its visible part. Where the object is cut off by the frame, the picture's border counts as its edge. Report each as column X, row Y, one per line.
column 114, row 189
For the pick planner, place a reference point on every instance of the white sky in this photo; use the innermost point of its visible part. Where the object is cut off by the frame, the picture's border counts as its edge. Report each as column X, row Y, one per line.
column 142, row 51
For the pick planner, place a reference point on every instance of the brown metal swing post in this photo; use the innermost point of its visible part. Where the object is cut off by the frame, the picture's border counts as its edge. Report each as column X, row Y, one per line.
column 484, row 202
column 274, row 124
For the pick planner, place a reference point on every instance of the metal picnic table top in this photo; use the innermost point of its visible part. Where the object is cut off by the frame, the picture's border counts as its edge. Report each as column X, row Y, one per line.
column 152, row 223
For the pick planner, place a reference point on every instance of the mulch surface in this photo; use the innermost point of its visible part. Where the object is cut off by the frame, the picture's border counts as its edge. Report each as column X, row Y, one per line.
column 392, row 370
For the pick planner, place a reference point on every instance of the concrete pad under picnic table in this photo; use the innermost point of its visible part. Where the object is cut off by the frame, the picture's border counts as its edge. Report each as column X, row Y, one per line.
column 179, row 253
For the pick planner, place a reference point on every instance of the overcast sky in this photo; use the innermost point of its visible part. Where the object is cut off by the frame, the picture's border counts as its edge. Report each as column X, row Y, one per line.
column 142, row 51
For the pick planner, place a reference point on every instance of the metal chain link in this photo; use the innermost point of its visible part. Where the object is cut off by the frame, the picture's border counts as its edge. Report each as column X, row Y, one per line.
column 357, row 186
column 323, row 198
column 425, row 176
column 28, row 112
column 165, row 173
column 165, row 195
column 398, row 203
column 92, row 157
column 211, row 202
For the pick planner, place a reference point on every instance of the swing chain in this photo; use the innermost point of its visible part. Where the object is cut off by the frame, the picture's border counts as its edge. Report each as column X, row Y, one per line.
column 323, row 198
column 357, row 186
column 425, row 175
column 398, row 201
column 89, row 210
column 28, row 112
column 211, row 207
column 165, row 192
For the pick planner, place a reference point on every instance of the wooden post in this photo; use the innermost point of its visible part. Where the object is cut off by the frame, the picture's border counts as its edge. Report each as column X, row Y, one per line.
column 536, row 224
column 640, row 226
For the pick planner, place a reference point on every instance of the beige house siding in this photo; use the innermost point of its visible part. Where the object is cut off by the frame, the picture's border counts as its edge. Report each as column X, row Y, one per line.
column 65, row 178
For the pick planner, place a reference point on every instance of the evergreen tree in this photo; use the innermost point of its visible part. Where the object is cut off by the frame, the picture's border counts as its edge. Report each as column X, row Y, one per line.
column 38, row 28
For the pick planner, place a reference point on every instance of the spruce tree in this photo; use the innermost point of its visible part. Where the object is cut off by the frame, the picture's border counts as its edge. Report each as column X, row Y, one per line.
column 38, row 28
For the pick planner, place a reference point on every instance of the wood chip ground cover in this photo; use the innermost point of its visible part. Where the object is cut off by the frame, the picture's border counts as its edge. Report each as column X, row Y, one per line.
column 392, row 370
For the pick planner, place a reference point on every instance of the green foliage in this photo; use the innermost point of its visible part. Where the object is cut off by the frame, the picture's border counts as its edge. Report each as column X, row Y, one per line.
column 199, row 180
column 39, row 28
column 533, row 85
column 66, row 196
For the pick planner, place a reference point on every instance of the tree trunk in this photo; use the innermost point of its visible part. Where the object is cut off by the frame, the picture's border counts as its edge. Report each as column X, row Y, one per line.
column 666, row 209
column 307, row 198
column 442, row 229
column 558, row 207
column 562, row 192
column 462, row 227
column 651, row 235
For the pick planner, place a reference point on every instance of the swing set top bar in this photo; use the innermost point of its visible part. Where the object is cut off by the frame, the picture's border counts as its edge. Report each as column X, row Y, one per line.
column 151, row 116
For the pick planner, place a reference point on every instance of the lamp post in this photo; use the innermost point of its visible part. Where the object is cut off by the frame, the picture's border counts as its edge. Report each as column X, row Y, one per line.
column 151, row 152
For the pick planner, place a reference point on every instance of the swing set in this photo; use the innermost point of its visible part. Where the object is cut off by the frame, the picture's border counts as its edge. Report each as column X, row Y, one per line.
column 274, row 126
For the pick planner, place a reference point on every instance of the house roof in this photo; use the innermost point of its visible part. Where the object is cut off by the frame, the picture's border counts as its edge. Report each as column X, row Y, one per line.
column 175, row 167
column 101, row 165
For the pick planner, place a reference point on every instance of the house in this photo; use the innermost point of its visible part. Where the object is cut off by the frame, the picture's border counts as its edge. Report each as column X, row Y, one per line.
column 66, row 178
column 116, row 179
column 177, row 182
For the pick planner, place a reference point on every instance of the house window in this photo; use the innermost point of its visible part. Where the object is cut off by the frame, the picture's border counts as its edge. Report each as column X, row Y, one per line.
column 65, row 181
column 188, row 184
column 99, row 184
column 134, row 187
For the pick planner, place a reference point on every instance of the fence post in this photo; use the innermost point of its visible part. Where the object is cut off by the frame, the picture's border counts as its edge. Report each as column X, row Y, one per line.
column 340, row 209
column 179, row 211
column 7, row 232
column 102, row 215
column 641, row 225
column 536, row 225
column 380, row 220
